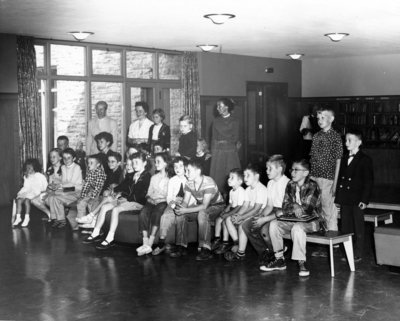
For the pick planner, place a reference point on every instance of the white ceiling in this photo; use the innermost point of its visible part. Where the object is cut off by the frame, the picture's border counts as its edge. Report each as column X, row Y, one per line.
column 265, row 28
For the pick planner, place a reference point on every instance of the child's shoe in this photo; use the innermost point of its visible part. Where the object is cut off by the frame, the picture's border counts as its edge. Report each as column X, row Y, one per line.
column 204, row 255
column 232, row 256
column 87, row 219
column 158, row 250
column 303, row 271
column 216, row 244
column 17, row 220
column 222, row 249
column 145, row 249
column 277, row 264
column 25, row 223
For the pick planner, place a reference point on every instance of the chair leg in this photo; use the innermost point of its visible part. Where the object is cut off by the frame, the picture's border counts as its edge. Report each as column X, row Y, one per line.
column 331, row 258
column 348, row 246
column 389, row 220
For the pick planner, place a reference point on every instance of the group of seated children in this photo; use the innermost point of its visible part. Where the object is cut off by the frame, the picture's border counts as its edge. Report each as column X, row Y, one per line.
column 179, row 192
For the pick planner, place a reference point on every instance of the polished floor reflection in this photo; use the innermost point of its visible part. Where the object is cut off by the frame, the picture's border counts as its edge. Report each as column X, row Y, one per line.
column 51, row 275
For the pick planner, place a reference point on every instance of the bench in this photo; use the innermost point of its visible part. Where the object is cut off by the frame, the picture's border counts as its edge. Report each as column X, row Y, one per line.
column 332, row 238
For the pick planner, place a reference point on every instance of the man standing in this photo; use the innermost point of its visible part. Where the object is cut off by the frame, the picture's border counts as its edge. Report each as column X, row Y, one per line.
column 102, row 123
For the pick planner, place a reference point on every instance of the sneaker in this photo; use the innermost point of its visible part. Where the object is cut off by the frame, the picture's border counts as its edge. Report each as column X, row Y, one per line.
column 85, row 219
column 158, row 250
column 303, row 271
column 232, row 256
column 216, row 244
column 266, row 257
column 275, row 265
column 204, row 255
column 222, row 249
column 178, row 252
column 146, row 249
column 140, row 248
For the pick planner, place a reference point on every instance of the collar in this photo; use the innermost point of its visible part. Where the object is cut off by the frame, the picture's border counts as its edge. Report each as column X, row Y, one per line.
column 226, row 116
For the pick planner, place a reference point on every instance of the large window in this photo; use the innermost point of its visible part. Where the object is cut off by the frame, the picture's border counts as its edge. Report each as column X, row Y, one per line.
column 73, row 77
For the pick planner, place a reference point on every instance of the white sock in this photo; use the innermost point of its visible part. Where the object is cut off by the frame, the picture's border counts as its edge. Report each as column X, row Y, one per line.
column 96, row 232
column 17, row 219
column 26, row 220
column 151, row 240
column 110, row 237
column 145, row 241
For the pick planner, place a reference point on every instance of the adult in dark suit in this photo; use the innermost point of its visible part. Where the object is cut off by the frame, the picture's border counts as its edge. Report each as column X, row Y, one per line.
column 159, row 132
column 354, row 189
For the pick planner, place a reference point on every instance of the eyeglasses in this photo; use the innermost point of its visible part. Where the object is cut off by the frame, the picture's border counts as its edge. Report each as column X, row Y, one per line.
column 295, row 170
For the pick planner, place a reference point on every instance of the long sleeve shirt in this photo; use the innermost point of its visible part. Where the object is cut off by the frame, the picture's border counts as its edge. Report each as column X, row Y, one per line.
column 158, row 188
column 93, row 183
column 71, row 176
column 34, row 184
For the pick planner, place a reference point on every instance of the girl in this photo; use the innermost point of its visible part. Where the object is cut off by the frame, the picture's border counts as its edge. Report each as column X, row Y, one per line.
column 159, row 132
column 130, row 195
column 150, row 215
column 68, row 191
column 203, row 155
column 34, row 184
column 53, row 174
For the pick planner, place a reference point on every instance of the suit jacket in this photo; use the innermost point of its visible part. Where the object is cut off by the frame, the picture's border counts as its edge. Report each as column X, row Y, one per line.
column 164, row 136
column 355, row 180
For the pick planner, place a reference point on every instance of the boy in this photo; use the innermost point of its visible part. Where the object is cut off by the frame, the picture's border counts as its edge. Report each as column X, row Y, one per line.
column 62, row 142
column 256, row 200
column 326, row 153
column 188, row 139
column 104, row 141
column 237, row 197
column 175, row 196
column 209, row 205
column 113, row 179
column 354, row 190
column 257, row 229
column 91, row 189
column 302, row 196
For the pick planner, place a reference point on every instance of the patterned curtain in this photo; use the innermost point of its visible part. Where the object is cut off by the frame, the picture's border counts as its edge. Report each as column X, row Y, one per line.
column 29, row 109
column 191, row 88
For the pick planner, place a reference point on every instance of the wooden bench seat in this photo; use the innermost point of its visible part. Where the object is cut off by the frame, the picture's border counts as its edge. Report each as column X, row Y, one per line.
column 332, row 238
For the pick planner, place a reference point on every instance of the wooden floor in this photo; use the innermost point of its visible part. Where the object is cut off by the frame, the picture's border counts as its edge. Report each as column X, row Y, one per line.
column 50, row 275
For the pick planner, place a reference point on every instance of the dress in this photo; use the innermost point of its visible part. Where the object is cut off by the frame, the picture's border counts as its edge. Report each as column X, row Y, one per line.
column 225, row 135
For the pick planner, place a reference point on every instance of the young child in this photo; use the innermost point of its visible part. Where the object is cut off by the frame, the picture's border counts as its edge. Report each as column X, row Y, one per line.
column 256, row 200
column 34, row 184
column 176, row 185
column 130, row 195
column 159, row 132
column 91, row 189
column 188, row 139
column 150, row 215
column 326, row 153
column 257, row 229
column 209, row 205
column 354, row 190
column 237, row 197
column 203, row 155
column 68, row 191
column 104, row 142
column 113, row 179
column 53, row 174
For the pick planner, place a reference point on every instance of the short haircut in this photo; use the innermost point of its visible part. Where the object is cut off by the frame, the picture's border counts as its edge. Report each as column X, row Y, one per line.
column 278, row 160
column 227, row 102
column 303, row 163
column 253, row 168
column 142, row 104
column 356, row 132
column 238, row 172
column 196, row 164
column 106, row 136
column 186, row 118
column 34, row 162
column 139, row 155
column 101, row 102
column 116, row 155
column 160, row 112
column 180, row 159
column 203, row 144
column 63, row 137
column 69, row 151
column 94, row 156
column 326, row 108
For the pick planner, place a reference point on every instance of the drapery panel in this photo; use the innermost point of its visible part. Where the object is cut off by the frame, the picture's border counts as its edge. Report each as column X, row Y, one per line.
column 29, row 109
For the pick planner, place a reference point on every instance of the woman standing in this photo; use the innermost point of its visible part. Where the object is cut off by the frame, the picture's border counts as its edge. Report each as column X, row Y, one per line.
column 139, row 129
column 225, row 144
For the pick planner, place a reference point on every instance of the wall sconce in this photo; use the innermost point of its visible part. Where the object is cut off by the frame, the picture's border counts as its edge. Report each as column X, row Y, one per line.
column 207, row 48
column 295, row 56
column 336, row 36
column 81, row 35
column 219, row 18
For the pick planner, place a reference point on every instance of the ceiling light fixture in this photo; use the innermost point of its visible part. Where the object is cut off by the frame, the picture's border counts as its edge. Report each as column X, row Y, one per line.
column 81, row 35
column 295, row 56
column 207, row 48
column 219, row 18
column 336, row 36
